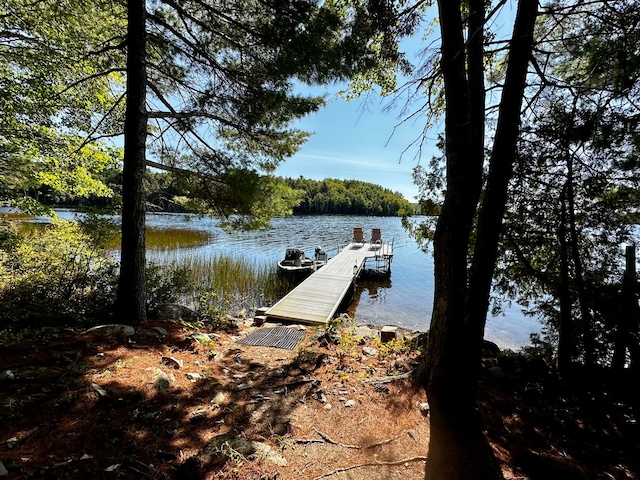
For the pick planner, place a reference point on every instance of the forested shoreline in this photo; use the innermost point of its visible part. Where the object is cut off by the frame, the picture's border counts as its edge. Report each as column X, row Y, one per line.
column 167, row 192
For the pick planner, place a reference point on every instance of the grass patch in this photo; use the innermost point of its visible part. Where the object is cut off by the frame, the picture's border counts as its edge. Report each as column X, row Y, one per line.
column 158, row 239
column 214, row 286
column 16, row 216
column 237, row 279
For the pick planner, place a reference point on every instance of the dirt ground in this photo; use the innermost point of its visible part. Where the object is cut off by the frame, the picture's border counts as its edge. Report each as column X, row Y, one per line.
column 79, row 405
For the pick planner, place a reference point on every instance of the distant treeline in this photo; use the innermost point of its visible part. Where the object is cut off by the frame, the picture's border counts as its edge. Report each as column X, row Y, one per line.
column 347, row 197
column 329, row 196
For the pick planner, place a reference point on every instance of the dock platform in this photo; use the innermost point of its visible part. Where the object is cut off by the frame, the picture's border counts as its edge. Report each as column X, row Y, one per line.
column 317, row 298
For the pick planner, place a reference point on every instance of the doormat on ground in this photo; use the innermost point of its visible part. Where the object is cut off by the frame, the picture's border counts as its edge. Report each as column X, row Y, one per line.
column 277, row 337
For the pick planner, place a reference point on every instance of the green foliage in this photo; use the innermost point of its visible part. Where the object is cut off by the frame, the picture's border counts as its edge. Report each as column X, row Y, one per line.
column 56, row 93
column 249, row 200
column 342, row 331
column 33, row 207
column 394, row 347
column 348, row 197
column 54, row 276
column 167, row 284
column 9, row 237
column 101, row 231
column 214, row 310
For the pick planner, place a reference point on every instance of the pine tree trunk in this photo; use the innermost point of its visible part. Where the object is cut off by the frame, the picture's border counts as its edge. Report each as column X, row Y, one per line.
column 490, row 217
column 626, row 337
column 566, row 342
column 131, row 286
column 457, row 447
column 588, row 340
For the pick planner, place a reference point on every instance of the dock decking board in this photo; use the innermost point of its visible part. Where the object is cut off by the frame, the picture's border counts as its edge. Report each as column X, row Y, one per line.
column 316, row 299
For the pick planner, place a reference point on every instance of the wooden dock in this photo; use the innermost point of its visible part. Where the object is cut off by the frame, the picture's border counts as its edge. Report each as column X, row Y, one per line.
column 316, row 299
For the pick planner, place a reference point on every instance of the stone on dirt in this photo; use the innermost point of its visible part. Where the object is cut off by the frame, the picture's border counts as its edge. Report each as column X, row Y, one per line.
column 113, row 329
column 172, row 311
column 226, row 446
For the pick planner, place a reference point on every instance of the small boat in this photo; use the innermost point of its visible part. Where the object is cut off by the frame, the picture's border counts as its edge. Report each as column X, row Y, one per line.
column 296, row 261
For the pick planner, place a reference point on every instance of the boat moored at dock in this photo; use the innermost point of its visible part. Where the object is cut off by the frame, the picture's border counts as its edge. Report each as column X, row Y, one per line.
column 295, row 261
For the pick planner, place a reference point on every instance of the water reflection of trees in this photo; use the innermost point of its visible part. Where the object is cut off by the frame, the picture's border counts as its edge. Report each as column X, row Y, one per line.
column 376, row 288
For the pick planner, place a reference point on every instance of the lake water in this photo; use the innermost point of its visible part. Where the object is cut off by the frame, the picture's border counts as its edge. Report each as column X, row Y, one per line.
column 405, row 299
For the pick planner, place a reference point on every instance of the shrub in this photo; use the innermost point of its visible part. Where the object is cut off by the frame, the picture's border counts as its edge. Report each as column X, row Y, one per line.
column 168, row 284
column 57, row 274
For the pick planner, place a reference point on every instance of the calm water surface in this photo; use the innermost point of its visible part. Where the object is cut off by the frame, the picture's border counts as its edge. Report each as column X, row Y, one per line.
column 405, row 299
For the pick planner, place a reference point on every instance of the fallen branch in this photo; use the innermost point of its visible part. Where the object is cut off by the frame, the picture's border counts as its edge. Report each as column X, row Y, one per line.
column 371, row 464
column 387, row 379
column 328, row 439
column 308, row 440
column 411, row 433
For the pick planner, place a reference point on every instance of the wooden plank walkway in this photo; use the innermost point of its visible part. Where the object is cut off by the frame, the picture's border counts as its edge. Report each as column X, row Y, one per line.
column 316, row 299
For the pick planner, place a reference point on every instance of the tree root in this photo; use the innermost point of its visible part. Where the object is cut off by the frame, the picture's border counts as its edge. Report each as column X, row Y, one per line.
column 388, row 378
column 327, row 439
column 372, row 464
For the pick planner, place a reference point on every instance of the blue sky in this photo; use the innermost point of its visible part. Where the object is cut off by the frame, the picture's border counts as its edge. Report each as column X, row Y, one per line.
column 356, row 140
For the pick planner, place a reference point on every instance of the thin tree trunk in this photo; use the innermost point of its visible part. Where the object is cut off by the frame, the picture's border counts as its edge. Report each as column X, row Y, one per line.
column 457, row 448
column 131, row 285
column 588, row 341
column 490, row 218
column 451, row 240
column 565, row 327
column 625, row 340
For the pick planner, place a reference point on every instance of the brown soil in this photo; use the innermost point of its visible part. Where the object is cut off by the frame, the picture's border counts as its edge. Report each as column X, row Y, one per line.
column 80, row 406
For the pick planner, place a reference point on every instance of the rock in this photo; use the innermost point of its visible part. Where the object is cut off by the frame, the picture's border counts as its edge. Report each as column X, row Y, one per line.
column 172, row 311
column 99, row 390
column 162, row 331
column 372, row 352
column 327, row 406
column 3, row 470
column 162, row 381
column 347, row 323
column 363, row 331
column 350, row 403
column 7, row 375
column 219, row 398
column 194, row 377
column 113, row 329
column 172, row 362
column 402, row 365
column 388, row 333
column 228, row 445
column 496, row 372
column 424, row 409
column 268, row 453
column 317, row 334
